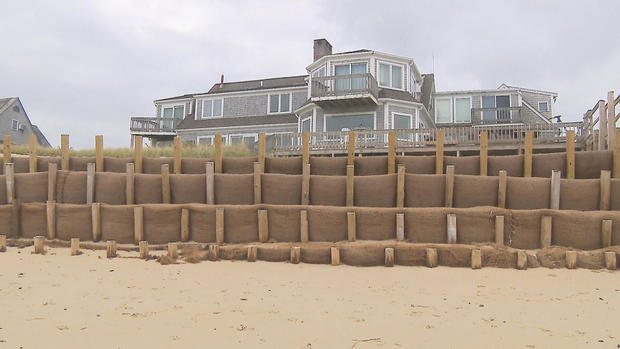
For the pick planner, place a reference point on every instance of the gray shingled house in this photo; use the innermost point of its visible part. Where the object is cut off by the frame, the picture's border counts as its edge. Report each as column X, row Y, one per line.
column 355, row 90
column 14, row 122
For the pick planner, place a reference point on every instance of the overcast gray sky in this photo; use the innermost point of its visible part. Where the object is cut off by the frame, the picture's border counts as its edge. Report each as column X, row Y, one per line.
column 85, row 67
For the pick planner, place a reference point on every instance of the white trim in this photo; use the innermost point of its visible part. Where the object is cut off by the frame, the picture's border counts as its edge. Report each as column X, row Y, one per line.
column 314, row 120
column 474, row 92
column 390, row 85
column 198, row 138
column 401, row 102
column 233, row 127
column 374, row 113
column 530, row 90
column 202, row 112
column 301, row 122
column 242, row 135
column 547, row 108
column 290, row 103
column 386, row 109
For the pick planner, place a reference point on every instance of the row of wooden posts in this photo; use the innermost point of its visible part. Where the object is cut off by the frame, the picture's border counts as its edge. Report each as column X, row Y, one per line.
column 391, row 152
column 606, row 120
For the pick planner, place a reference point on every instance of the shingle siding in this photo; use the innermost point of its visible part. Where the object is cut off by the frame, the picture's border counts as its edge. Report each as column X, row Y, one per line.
column 534, row 98
column 14, row 111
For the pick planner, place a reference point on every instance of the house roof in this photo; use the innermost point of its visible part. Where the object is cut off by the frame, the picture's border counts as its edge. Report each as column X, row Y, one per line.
column 5, row 103
column 259, row 84
column 396, row 94
column 258, row 120
column 175, row 98
column 354, row 51
column 428, row 87
column 504, row 85
column 40, row 136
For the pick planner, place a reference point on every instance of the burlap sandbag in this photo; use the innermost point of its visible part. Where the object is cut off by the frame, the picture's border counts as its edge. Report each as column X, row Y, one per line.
column 552, row 257
column 524, row 229
column 527, row 193
column 153, row 165
column 498, row 256
column 202, row 223
column 238, row 165
column 316, row 253
column 119, row 165
column 512, row 164
column 580, row 194
column 591, row 259
column 31, row 187
column 475, row 225
column 371, row 165
column 21, row 164
column 188, row 188
column 473, row 191
column 426, row 225
column 71, row 187
column 409, row 254
column 110, row 188
column 375, row 223
column 326, row 166
column 290, row 165
column 6, row 214
column 233, row 252
column 284, row 223
column 74, row 221
column 417, row 164
column 464, row 165
column 44, row 161
column 615, row 194
column 454, row 255
column 424, row 190
column 327, row 223
column 33, row 219
column 235, row 189
column 544, row 164
column 2, row 189
column 162, row 223
column 576, row 229
column 148, row 188
column 273, row 252
column 80, row 163
column 375, row 191
column 117, row 223
column 364, row 253
column 281, row 189
column 328, row 190
column 240, row 224
column 194, row 165
column 588, row 164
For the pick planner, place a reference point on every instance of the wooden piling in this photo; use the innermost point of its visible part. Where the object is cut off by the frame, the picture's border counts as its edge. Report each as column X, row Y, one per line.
column 3, row 243
column 501, row 190
column 111, row 248
column 521, row 260
column 252, row 253
column 52, row 171
column 476, row 258
column 606, row 232
column 6, row 149
column 137, row 154
column 545, row 231
column 556, row 177
column 96, row 220
column 75, row 246
column 217, row 146
column 303, row 221
column 258, row 171
column 439, row 151
column 99, row 153
column 305, row 147
column 64, row 152
column 571, row 259
column 178, row 155
column 15, row 218
column 90, row 183
column 499, row 230
column 350, row 186
column 138, row 224
column 570, row 154
column 9, row 175
column 389, row 257
column 32, row 153
column 184, row 224
column 351, row 148
column 295, row 254
column 400, row 190
column 611, row 260
column 305, row 185
column 431, row 257
column 130, row 180
column 51, row 219
column 449, row 192
column 144, row 249
column 39, row 244
column 605, row 190
column 263, row 226
column 173, row 250
column 351, row 226
column 165, row 184
column 616, row 155
column 335, row 254
column 527, row 159
column 400, row 226
column 219, row 225
column 391, row 152
column 261, row 149
column 484, row 152
column 210, row 185
column 451, row 224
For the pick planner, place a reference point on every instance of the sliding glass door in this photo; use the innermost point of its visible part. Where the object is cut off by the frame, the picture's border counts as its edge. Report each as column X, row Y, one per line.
column 347, row 83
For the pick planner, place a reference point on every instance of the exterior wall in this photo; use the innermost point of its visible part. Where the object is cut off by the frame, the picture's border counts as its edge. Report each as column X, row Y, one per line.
column 476, row 101
column 192, row 135
column 534, row 98
column 251, row 104
column 15, row 111
column 399, row 109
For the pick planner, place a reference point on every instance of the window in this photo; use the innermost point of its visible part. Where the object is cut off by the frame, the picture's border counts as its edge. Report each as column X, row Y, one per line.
column 15, row 124
column 349, row 122
column 248, row 139
column 391, row 75
column 443, row 110
column 462, row 109
column 306, row 124
column 204, row 140
column 176, row 111
column 543, row 106
column 211, row 108
column 401, row 122
column 349, row 83
column 318, row 73
column 280, row 103
column 495, row 107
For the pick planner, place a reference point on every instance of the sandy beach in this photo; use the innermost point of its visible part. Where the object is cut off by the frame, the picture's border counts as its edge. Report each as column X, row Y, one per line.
column 56, row 300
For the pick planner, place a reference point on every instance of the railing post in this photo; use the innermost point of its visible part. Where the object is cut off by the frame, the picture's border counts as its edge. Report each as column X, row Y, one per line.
column 602, row 128
column 611, row 120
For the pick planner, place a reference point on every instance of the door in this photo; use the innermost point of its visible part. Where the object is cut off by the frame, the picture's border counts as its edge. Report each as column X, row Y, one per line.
column 488, row 102
column 503, row 107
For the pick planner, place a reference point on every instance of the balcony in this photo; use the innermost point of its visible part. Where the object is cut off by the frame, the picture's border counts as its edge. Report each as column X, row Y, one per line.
column 495, row 116
column 344, row 90
column 153, row 126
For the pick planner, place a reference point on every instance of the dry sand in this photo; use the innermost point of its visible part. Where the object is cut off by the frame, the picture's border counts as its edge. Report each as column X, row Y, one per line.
column 88, row 301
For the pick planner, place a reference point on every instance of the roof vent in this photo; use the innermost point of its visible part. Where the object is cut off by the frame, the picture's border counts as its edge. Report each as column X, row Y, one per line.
column 221, row 80
column 261, row 83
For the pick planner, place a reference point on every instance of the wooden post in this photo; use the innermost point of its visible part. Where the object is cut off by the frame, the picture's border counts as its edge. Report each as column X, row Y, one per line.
column 554, row 203
column 571, row 259
column 111, row 248
column 144, row 249
column 32, row 152
column 611, row 260
column 305, row 185
column 602, row 121
column 138, row 224
column 219, row 225
column 484, row 152
column 449, row 192
column 173, row 250
column 184, row 224
column 75, row 246
column 261, row 149
column 39, row 244
column 15, row 218
column 6, row 149
column 400, row 189
column 431, row 257
column 99, row 153
column 351, row 148
column 137, row 154
column 350, row 186
column 611, row 120
column 3, row 243
column 305, row 147
column 499, row 230
column 451, row 220
column 64, row 152
column 165, row 184
column 96, row 221
column 351, row 226
column 335, row 253
column 606, row 232
column 391, row 152
column 545, row 231
column 389, row 257
column 263, row 226
column 295, row 254
column 605, row 190
column 570, row 154
column 258, row 171
column 501, row 190
column 527, row 159
column 214, row 252
column 51, row 219
column 439, row 151
column 617, row 157
column 210, row 186
column 521, row 260
column 129, row 187
column 303, row 215
column 476, row 258
column 217, row 142
column 90, row 183
column 400, row 226
column 252, row 253
column 9, row 174
column 52, row 170
column 178, row 154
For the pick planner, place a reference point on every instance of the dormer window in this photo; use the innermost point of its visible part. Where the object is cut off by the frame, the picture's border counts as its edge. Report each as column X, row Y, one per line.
column 279, row 103
column 391, row 75
column 176, row 111
column 211, row 108
column 543, row 106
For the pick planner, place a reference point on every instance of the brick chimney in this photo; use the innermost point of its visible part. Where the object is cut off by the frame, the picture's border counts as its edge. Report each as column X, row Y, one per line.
column 322, row 47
